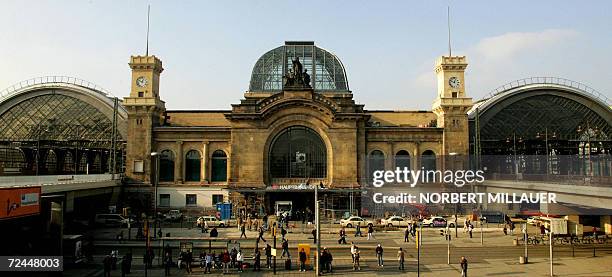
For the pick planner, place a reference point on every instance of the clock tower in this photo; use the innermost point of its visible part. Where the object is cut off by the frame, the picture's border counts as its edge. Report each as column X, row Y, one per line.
column 145, row 111
column 451, row 104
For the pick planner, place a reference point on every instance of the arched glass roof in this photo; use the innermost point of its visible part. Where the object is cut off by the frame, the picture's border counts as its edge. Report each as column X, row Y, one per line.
column 326, row 70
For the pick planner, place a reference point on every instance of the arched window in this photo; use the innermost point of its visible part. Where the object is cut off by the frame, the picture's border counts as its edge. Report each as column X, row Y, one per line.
column 298, row 152
column 83, row 162
column 68, row 163
column 376, row 162
column 192, row 166
column 402, row 159
column 428, row 160
column 96, row 166
column 166, row 166
column 12, row 160
column 51, row 162
column 219, row 166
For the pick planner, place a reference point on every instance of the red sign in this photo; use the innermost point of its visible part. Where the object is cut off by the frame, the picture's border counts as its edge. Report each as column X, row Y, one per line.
column 17, row 202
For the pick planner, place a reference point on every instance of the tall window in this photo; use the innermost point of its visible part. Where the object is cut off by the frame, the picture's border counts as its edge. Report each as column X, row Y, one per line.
column 12, row 160
column 51, row 162
column 217, row 198
column 192, row 166
column 219, row 166
column 402, row 159
column 428, row 160
column 68, row 162
column 191, row 200
column 166, row 166
column 376, row 161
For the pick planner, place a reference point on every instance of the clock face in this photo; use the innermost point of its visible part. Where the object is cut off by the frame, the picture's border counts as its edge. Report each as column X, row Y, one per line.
column 142, row 81
column 454, row 82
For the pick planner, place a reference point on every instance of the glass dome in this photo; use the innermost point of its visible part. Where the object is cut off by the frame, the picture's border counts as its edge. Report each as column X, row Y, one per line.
column 326, row 70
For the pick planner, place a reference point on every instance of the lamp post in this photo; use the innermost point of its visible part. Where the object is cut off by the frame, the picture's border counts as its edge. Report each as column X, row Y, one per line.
column 155, row 156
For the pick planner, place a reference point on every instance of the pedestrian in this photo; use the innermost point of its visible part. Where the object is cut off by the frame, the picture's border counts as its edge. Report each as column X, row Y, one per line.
column 261, row 234
column 129, row 261
column 225, row 259
column 413, row 229
column 302, row 260
column 257, row 261
column 353, row 250
column 329, row 260
column 314, row 236
column 234, row 257
column 370, row 232
column 358, row 230
column 400, row 258
column 209, row 263
column 379, row 255
column 342, row 234
column 167, row 264
column 242, row 231
column 512, row 228
column 283, row 232
column 470, row 229
column 505, row 229
column 114, row 256
column 249, row 222
column 203, row 260
column 322, row 261
column 268, row 256
column 285, row 245
column 107, row 265
column 464, row 266
column 356, row 257
column 205, row 227
column 239, row 222
column 188, row 261
column 407, row 233
column 542, row 229
column 240, row 260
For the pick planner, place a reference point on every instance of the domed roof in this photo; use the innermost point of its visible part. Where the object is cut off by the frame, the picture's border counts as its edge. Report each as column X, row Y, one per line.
column 326, row 70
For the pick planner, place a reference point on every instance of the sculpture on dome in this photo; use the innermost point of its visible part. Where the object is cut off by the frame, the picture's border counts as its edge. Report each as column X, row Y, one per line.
column 296, row 78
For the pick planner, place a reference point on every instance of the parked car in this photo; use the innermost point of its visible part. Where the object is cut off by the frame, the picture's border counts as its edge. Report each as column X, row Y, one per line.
column 354, row 221
column 115, row 220
column 173, row 215
column 211, row 221
column 395, row 221
column 437, row 221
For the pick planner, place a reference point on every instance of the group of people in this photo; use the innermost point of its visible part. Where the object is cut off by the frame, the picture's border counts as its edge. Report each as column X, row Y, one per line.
column 110, row 263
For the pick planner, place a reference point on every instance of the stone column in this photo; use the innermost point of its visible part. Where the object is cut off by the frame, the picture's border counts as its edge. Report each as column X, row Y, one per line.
column 416, row 158
column 204, row 171
column 178, row 166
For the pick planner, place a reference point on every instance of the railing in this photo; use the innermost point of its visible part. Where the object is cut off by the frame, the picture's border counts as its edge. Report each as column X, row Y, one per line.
column 49, row 180
column 551, row 80
column 48, row 81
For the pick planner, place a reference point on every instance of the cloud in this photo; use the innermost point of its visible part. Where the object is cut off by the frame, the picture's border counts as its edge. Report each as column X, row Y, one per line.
column 508, row 45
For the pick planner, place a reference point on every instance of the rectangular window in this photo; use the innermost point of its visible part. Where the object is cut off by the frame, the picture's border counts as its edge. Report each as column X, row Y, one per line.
column 164, row 200
column 140, row 94
column 455, row 95
column 138, row 166
column 217, row 198
column 191, row 200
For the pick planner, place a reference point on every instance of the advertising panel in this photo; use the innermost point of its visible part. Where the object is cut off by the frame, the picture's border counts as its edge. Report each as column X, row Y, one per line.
column 18, row 202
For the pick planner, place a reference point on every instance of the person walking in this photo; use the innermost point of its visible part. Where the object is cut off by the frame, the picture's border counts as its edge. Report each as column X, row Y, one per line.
column 314, row 236
column 342, row 234
column 242, row 231
column 329, row 260
column 234, row 257
column 400, row 258
column 464, row 266
column 257, row 261
column 379, row 255
column 356, row 266
column 285, row 245
column 358, row 230
column 370, row 232
column 209, row 263
column 506, row 229
column 283, row 232
column 302, row 260
column 240, row 260
column 261, row 234
column 188, row 261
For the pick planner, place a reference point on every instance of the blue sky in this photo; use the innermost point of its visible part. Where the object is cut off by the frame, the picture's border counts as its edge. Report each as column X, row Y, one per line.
column 388, row 47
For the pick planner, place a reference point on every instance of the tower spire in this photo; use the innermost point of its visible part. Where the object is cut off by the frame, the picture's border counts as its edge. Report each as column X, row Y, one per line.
column 148, row 15
column 449, row 31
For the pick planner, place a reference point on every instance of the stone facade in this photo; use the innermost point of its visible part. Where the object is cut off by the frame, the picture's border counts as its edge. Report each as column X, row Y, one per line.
column 245, row 133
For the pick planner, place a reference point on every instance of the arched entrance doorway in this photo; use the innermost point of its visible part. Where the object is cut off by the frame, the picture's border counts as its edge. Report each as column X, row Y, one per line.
column 297, row 158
